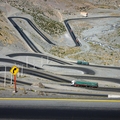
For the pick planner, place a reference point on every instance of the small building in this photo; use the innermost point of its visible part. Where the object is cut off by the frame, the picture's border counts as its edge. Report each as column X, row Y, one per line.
column 85, row 14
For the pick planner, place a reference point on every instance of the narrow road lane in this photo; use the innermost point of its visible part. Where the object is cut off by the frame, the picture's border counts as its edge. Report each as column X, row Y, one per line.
column 53, row 109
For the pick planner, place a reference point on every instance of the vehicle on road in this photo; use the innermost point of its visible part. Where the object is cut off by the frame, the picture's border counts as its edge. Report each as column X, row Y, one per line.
column 84, row 84
column 84, row 14
column 82, row 62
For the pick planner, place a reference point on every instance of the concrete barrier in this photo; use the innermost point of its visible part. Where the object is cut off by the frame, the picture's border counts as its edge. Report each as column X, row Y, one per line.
column 113, row 96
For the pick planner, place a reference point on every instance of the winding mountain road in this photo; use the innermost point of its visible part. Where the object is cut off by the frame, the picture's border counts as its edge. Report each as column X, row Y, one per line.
column 35, row 49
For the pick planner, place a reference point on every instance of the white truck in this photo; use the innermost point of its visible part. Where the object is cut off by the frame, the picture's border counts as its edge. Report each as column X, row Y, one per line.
column 85, row 14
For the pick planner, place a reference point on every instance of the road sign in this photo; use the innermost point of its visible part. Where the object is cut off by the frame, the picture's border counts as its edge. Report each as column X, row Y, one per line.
column 14, row 70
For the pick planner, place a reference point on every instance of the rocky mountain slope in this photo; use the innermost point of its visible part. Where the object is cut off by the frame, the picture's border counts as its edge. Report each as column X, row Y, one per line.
column 9, row 41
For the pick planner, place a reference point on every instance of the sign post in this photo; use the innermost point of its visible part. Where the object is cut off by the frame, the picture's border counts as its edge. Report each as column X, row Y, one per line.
column 14, row 70
column 15, row 83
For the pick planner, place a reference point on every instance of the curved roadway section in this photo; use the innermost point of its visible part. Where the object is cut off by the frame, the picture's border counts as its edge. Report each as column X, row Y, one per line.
column 39, row 55
column 72, row 34
column 39, row 73
column 89, row 18
column 35, row 28
column 17, row 62
column 85, row 70
column 116, row 80
column 44, row 37
column 33, row 47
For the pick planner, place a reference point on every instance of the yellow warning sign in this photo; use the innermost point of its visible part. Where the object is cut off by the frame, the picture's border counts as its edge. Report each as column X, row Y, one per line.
column 14, row 70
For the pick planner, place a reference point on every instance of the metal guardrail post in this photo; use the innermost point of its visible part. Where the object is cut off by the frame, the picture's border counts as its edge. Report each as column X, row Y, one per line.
column 5, row 77
column 22, row 71
column 41, row 62
column 11, row 79
column 47, row 59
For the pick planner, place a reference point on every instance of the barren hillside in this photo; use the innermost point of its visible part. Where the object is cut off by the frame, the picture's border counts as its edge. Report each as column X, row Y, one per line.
column 9, row 41
column 49, row 14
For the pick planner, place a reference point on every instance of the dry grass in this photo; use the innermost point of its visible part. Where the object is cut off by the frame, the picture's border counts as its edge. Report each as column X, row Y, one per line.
column 5, row 36
column 101, row 57
column 44, row 15
column 115, row 14
column 64, row 51
column 2, row 88
column 79, row 27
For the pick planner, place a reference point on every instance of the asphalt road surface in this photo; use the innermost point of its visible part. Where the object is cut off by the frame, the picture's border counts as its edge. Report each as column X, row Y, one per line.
column 59, row 109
